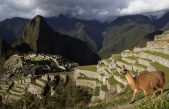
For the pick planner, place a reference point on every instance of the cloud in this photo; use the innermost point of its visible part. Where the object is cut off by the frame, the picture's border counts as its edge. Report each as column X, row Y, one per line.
column 140, row 6
column 85, row 9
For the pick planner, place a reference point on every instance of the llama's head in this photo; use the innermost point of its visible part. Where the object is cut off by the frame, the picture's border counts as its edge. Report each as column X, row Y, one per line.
column 124, row 70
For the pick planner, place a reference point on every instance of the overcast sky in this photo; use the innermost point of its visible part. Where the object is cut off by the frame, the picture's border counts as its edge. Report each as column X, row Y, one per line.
column 86, row 9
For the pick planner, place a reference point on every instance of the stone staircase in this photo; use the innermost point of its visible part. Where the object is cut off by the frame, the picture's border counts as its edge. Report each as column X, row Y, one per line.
column 17, row 90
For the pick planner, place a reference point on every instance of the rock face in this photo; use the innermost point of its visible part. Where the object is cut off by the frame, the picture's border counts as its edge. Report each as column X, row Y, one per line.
column 42, row 39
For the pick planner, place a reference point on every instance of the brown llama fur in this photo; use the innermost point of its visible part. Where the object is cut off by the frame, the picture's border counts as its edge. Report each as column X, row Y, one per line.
column 145, row 81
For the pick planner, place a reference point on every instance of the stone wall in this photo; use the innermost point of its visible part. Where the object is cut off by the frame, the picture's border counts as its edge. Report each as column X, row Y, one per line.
column 154, row 58
column 87, row 83
column 89, row 74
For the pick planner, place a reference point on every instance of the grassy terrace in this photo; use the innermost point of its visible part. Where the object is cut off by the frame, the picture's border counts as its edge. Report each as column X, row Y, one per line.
column 132, row 57
column 146, row 59
column 18, row 91
column 165, row 70
column 36, row 84
column 91, row 79
column 89, row 67
column 119, row 58
column 14, row 94
column 19, row 87
column 158, row 54
column 63, row 73
column 112, row 81
column 40, row 79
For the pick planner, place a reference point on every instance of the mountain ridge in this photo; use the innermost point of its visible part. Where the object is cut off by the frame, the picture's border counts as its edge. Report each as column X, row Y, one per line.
column 41, row 38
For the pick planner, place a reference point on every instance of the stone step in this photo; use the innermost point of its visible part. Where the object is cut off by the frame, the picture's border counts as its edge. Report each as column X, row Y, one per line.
column 16, row 92
column 19, row 88
column 14, row 96
column 155, row 58
column 41, row 81
column 2, row 91
column 88, row 83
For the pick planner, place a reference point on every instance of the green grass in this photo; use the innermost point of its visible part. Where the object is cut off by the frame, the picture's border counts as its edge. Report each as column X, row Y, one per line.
column 89, row 68
column 140, row 65
column 132, row 57
column 91, row 79
column 119, row 99
column 112, row 81
column 157, row 103
column 165, row 70
column 61, row 73
column 97, row 91
column 158, row 54
column 117, row 57
column 146, row 59
column 104, row 88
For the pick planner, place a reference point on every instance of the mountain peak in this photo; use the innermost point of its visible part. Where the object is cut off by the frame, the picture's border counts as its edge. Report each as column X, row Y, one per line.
column 36, row 29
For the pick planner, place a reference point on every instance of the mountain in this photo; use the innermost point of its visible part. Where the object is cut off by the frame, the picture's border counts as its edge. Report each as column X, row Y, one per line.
column 10, row 29
column 80, row 32
column 162, row 22
column 125, row 33
column 102, row 38
column 89, row 31
column 40, row 38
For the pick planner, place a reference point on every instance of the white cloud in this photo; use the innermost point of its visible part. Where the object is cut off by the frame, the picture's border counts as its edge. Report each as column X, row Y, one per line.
column 140, row 6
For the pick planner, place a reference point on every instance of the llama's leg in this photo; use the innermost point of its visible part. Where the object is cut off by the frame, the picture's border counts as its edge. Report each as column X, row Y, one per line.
column 154, row 94
column 134, row 94
column 145, row 93
column 155, row 91
column 161, row 91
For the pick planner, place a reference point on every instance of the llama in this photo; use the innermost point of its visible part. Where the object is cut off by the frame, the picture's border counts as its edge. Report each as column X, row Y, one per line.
column 145, row 81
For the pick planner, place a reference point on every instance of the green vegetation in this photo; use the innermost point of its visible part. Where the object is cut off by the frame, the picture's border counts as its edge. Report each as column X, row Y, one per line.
column 157, row 103
column 125, row 37
column 89, row 67
column 158, row 54
column 112, row 81
column 91, row 79
column 118, row 57
column 120, row 99
column 104, row 88
column 97, row 91
column 61, row 73
column 2, row 61
column 133, row 57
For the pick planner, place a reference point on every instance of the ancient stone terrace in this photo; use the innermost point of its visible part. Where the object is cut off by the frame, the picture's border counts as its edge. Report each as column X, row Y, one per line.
column 155, row 56
column 160, row 41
